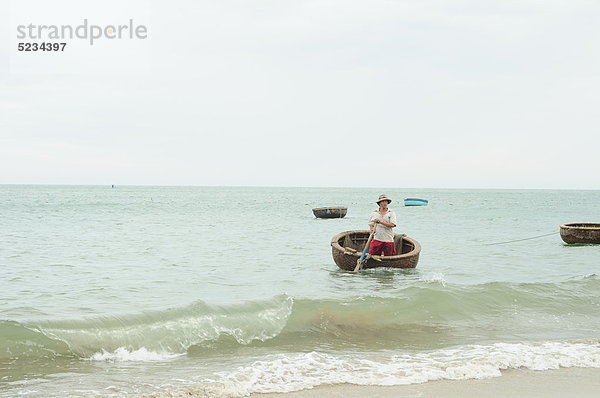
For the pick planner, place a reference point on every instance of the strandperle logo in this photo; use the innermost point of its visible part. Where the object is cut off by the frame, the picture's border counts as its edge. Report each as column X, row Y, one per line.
column 84, row 31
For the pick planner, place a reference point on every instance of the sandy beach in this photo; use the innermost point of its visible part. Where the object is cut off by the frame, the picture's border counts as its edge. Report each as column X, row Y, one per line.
column 522, row 383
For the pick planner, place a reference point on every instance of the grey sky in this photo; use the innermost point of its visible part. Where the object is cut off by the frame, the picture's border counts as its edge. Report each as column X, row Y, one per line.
column 499, row 94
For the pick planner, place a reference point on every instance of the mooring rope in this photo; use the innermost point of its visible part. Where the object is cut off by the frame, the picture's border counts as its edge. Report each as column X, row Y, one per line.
column 519, row 240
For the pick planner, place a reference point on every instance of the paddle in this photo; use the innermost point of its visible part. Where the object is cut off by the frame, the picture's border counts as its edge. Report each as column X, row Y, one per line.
column 362, row 259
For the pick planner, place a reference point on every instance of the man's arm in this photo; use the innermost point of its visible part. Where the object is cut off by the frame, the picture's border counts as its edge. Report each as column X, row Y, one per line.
column 387, row 224
column 372, row 222
column 390, row 224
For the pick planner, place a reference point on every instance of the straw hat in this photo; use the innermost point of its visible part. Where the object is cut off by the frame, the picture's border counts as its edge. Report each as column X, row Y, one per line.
column 382, row 198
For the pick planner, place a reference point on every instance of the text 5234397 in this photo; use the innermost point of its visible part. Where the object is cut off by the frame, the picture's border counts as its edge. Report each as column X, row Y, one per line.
column 41, row 46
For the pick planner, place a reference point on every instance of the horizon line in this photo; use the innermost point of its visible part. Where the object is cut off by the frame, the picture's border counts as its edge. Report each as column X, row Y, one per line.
column 293, row 186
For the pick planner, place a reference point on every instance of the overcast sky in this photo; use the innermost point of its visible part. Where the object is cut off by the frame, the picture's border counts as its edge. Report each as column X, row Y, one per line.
column 350, row 93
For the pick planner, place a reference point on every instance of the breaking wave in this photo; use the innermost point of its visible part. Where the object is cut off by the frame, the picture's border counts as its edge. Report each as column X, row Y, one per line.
column 415, row 315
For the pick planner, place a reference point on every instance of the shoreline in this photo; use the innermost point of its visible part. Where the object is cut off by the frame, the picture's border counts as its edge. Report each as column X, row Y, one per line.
column 522, row 383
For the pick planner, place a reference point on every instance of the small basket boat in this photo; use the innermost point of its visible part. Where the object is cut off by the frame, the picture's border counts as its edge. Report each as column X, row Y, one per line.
column 330, row 212
column 346, row 248
column 415, row 202
column 580, row 232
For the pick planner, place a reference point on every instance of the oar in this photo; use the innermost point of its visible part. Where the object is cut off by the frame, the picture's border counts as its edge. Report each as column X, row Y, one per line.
column 360, row 262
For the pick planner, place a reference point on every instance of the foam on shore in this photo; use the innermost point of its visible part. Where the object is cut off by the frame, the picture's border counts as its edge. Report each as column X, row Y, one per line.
column 522, row 383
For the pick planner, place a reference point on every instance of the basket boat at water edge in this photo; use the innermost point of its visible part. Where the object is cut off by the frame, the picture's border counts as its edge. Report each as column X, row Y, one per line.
column 346, row 248
column 580, row 233
column 330, row 212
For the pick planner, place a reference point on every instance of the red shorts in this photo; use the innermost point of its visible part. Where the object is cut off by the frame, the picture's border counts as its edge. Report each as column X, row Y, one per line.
column 377, row 248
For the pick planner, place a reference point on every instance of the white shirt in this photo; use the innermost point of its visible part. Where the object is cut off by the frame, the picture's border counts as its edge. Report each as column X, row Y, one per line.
column 383, row 233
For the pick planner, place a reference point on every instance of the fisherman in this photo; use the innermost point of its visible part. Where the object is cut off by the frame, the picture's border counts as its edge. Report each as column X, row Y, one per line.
column 385, row 219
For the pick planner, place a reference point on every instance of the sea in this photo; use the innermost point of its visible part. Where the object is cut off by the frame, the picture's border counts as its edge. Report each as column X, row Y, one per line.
column 134, row 291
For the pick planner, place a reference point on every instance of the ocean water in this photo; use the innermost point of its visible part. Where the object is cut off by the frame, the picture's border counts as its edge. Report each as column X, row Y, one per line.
column 210, row 291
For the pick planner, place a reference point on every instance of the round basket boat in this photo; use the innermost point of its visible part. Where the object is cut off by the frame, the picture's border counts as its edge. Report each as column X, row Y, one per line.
column 346, row 248
column 580, row 232
column 330, row 212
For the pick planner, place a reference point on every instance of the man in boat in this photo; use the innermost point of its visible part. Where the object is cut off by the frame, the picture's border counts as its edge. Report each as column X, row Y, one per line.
column 385, row 219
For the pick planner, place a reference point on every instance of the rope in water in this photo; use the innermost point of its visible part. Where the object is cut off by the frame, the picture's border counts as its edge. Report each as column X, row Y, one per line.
column 519, row 240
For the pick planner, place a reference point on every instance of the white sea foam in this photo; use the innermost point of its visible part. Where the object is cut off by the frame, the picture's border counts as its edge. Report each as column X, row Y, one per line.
column 434, row 277
column 293, row 372
column 122, row 354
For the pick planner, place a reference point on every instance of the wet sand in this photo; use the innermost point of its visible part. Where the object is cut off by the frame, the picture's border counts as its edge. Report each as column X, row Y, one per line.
column 522, row 383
